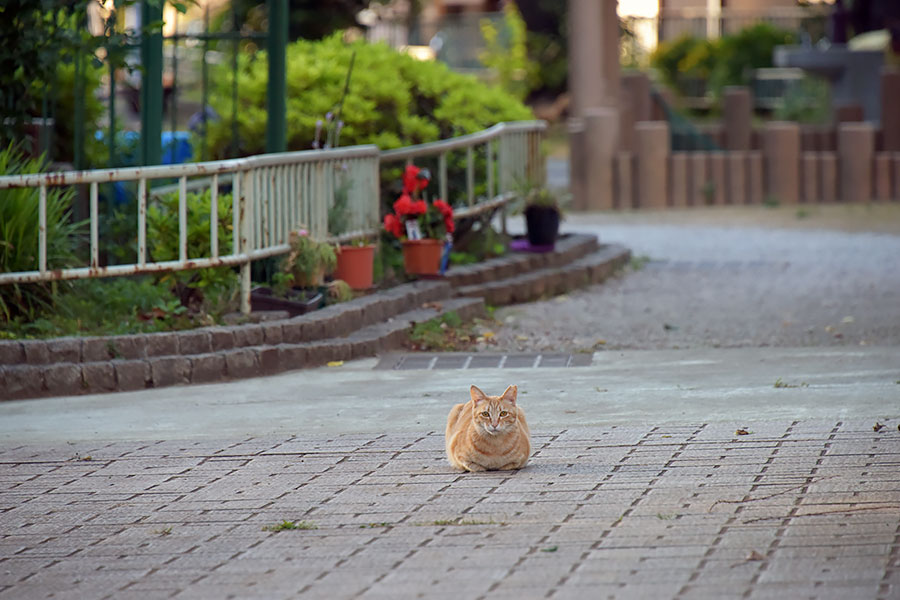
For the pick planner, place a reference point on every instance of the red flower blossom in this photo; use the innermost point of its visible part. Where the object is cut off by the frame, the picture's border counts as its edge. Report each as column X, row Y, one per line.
column 392, row 225
column 414, row 180
column 407, row 207
column 447, row 212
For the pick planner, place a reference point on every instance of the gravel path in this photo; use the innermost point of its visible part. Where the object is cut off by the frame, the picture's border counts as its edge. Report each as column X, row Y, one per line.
column 729, row 278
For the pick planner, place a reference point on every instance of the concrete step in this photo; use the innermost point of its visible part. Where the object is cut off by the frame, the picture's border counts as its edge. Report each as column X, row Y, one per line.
column 66, row 378
column 587, row 270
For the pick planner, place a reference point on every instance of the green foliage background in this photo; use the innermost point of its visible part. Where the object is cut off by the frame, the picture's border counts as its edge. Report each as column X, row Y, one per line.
column 725, row 61
column 19, row 240
column 393, row 99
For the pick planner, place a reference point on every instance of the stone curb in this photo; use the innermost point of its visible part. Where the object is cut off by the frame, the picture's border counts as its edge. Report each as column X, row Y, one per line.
column 361, row 327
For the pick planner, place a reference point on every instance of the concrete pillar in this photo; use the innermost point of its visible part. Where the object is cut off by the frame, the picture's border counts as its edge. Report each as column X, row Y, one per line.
column 882, row 182
column 736, row 175
column 600, row 148
column 856, row 146
column 810, row 163
column 679, row 179
column 636, row 87
column 738, row 117
column 593, row 55
column 781, row 146
column 652, row 146
column 890, row 109
column 594, row 87
column 828, row 176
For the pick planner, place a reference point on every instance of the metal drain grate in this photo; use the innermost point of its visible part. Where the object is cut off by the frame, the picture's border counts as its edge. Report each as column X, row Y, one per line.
column 427, row 361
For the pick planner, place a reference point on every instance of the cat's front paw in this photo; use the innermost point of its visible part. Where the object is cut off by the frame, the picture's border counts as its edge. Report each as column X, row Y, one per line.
column 473, row 467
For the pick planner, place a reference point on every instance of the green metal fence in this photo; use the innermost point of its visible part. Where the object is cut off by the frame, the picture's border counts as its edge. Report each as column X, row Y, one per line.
column 153, row 87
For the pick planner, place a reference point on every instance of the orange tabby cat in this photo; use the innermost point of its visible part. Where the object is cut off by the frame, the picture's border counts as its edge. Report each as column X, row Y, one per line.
column 488, row 433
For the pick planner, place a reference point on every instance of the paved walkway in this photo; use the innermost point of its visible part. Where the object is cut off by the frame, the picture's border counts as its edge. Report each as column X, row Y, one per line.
column 698, row 472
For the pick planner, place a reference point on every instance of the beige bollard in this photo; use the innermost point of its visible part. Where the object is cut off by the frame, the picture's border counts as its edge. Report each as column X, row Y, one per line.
column 701, row 191
column 736, row 163
column 601, row 146
column 679, row 179
column 717, row 176
column 624, row 180
column 882, row 165
column 810, row 162
column 828, row 176
column 890, row 109
column 738, row 117
column 856, row 146
column 652, row 146
column 755, row 184
column 781, row 145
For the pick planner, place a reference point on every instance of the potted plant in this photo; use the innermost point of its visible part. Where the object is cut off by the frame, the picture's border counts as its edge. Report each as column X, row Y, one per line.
column 308, row 261
column 356, row 259
column 542, row 216
column 298, row 287
column 424, row 229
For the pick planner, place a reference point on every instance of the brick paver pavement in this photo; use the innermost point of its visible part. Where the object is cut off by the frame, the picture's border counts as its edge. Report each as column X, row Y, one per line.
column 792, row 509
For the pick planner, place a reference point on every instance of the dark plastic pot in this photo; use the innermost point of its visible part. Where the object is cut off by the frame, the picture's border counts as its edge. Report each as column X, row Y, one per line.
column 543, row 224
column 299, row 301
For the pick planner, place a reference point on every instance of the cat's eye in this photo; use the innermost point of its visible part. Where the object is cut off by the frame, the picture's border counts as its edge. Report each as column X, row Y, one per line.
column 486, row 414
column 503, row 413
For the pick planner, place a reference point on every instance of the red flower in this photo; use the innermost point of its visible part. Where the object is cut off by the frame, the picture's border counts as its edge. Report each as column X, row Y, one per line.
column 407, row 207
column 414, row 180
column 393, row 226
column 447, row 212
column 443, row 208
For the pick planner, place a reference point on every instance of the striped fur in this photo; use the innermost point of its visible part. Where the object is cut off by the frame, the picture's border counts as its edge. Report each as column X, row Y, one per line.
column 488, row 433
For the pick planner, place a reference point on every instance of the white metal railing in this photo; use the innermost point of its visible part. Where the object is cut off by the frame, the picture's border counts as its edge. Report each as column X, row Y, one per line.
column 274, row 194
column 511, row 154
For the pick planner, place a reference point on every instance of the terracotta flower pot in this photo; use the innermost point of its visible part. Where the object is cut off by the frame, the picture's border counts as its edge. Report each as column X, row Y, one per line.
column 354, row 265
column 423, row 257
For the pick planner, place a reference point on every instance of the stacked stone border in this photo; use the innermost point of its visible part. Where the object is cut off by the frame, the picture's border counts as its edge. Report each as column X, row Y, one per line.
column 362, row 327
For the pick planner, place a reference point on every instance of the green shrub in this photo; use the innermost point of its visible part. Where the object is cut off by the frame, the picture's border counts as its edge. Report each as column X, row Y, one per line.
column 393, row 100
column 211, row 287
column 668, row 57
column 508, row 58
column 736, row 56
column 729, row 60
column 19, row 221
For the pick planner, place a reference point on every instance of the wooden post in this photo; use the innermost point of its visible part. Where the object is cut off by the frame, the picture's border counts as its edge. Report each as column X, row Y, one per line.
column 652, row 144
column 781, row 145
column 856, row 146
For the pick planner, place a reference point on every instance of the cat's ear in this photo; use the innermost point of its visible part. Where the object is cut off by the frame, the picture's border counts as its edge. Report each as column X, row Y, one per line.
column 510, row 394
column 477, row 395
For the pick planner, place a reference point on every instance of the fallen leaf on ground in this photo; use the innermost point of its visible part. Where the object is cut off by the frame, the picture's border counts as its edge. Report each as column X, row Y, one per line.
column 829, row 328
column 754, row 555
column 741, row 432
column 847, row 320
column 601, row 390
column 335, row 363
column 600, row 343
column 435, row 305
column 487, row 335
column 877, row 426
column 522, row 338
column 550, row 549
